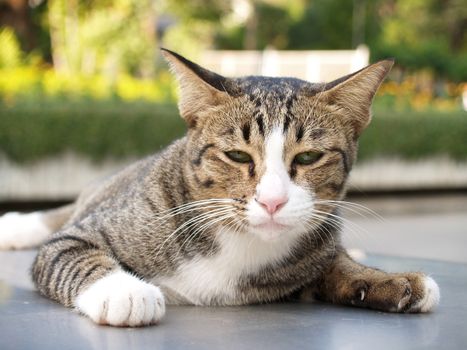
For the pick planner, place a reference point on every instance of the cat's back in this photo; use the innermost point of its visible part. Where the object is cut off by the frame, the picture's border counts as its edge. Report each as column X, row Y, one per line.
column 127, row 184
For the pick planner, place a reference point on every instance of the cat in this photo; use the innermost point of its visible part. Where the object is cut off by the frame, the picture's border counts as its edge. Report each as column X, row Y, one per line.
column 244, row 209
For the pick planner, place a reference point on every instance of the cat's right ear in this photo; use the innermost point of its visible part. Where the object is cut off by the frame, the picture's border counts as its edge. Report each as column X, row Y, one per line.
column 200, row 88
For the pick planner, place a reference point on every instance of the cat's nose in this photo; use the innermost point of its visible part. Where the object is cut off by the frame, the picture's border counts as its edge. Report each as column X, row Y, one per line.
column 273, row 204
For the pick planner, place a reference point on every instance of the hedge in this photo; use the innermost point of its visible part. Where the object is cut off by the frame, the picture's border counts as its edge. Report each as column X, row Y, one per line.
column 118, row 129
column 415, row 135
column 97, row 130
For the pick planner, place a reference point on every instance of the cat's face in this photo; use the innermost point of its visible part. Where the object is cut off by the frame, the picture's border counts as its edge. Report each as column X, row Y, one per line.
column 279, row 149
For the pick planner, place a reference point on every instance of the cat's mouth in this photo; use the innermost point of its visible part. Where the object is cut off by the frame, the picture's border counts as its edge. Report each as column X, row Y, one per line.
column 271, row 225
column 270, row 230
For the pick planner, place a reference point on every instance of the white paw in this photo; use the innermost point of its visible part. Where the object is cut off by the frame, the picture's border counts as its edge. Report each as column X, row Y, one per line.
column 19, row 231
column 430, row 299
column 121, row 299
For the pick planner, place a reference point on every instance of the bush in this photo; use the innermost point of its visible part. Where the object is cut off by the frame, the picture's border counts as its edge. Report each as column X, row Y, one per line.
column 415, row 135
column 99, row 130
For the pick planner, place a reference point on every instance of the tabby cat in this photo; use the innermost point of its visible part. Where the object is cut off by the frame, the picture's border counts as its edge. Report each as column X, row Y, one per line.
column 242, row 210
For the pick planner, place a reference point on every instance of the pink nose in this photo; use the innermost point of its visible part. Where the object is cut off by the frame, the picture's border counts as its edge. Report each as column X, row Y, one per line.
column 271, row 205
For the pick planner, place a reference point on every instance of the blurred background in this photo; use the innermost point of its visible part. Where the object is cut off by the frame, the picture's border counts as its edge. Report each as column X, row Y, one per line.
column 84, row 91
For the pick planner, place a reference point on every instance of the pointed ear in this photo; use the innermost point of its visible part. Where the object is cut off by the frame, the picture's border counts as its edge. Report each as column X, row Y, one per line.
column 355, row 92
column 199, row 87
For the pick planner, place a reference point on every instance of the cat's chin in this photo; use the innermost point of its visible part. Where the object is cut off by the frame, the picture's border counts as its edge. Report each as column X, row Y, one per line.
column 271, row 231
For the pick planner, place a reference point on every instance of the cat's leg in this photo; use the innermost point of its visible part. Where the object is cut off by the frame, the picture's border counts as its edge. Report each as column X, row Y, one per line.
column 28, row 230
column 350, row 283
column 81, row 272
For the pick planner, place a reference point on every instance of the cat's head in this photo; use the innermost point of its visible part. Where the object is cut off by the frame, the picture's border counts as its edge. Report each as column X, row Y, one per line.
column 279, row 149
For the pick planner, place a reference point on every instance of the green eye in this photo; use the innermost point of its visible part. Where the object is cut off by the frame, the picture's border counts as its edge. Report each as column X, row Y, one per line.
column 239, row 156
column 307, row 158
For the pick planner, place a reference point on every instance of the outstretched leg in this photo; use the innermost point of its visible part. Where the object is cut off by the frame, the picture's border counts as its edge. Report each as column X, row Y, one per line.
column 79, row 270
column 348, row 282
column 28, row 230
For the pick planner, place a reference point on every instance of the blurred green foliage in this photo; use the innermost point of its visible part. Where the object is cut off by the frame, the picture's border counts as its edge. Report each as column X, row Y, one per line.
column 96, row 129
column 85, row 75
column 11, row 55
column 425, row 34
column 30, row 132
column 105, row 37
column 30, row 83
column 111, row 36
column 420, row 34
column 415, row 135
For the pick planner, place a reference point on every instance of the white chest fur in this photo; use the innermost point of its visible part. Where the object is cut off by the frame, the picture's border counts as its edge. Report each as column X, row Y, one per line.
column 208, row 280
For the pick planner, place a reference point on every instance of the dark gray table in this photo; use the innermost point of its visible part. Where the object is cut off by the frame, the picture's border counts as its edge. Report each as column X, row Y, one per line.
column 28, row 321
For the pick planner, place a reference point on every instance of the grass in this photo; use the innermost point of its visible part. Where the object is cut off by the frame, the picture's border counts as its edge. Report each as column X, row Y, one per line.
column 116, row 129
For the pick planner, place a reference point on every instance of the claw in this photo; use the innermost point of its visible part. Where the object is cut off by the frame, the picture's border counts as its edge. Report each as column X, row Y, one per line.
column 362, row 294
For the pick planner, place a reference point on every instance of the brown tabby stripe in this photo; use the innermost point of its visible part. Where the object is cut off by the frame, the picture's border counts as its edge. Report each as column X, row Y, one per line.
column 251, row 169
column 185, row 192
column 124, row 266
column 246, row 132
column 287, row 121
column 56, row 282
column 39, row 275
column 293, row 170
column 197, row 179
column 54, row 263
column 345, row 159
column 168, row 194
column 260, row 122
column 299, row 133
column 66, row 287
column 208, row 183
column 72, row 286
column 62, row 278
column 229, row 131
column 290, row 101
column 317, row 133
column 336, row 186
column 71, row 238
column 67, row 290
column 151, row 204
column 197, row 160
column 87, row 275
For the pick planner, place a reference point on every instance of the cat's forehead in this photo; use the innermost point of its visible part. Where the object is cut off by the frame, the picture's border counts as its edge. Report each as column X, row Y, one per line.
column 261, row 88
column 274, row 102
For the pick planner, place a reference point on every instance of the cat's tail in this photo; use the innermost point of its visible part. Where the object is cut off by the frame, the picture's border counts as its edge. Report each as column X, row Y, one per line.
column 21, row 231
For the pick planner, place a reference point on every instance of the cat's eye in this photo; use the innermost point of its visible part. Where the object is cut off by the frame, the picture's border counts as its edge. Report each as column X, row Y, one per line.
column 307, row 158
column 239, row 156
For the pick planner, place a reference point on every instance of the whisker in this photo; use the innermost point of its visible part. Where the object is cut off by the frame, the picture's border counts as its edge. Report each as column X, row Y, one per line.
column 203, row 228
column 195, row 204
column 189, row 210
column 186, row 224
column 320, row 229
column 338, row 223
column 353, row 207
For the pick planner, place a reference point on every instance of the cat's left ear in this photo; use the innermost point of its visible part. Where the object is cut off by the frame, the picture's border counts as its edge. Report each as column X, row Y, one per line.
column 355, row 92
column 200, row 88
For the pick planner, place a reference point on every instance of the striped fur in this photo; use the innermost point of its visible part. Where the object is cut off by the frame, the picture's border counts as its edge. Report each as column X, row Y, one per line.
column 190, row 220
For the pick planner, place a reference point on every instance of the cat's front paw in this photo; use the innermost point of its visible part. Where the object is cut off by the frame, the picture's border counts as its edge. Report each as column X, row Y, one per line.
column 412, row 292
column 121, row 299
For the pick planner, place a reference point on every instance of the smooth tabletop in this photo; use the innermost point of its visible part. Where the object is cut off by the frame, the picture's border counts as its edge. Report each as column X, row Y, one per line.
column 29, row 321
